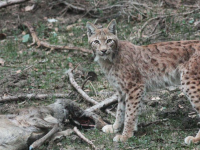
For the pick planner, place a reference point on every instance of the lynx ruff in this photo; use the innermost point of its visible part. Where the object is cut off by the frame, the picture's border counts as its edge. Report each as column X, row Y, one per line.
column 133, row 69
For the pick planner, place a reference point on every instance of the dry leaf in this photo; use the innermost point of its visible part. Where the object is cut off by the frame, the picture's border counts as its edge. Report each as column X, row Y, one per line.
column 69, row 27
column 56, row 29
column 71, row 34
column 180, row 106
column 181, row 95
column 197, row 24
column 20, row 52
column 29, row 8
column 2, row 62
column 23, row 33
column 155, row 98
column 139, row 17
column 35, row 69
column 18, row 71
column 163, row 108
column 70, row 65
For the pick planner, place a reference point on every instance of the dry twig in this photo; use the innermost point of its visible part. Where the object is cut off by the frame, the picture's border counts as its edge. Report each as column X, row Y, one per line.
column 81, row 92
column 117, row 8
column 47, row 45
column 11, row 2
column 161, row 17
column 84, row 138
column 30, row 96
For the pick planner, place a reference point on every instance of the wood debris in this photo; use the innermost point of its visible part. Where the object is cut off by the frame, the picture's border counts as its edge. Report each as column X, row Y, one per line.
column 40, row 43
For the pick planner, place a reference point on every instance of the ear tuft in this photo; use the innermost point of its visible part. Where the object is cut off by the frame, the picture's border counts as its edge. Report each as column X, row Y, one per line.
column 112, row 27
column 91, row 29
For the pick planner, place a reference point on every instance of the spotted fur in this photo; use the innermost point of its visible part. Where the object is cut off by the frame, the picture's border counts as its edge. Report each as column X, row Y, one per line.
column 133, row 69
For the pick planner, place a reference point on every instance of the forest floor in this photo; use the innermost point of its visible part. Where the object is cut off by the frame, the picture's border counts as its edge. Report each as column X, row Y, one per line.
column 26, row 69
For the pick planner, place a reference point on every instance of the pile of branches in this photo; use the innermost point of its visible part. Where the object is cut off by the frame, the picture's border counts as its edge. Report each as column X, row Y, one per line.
column 97, row 8
column 104, row 9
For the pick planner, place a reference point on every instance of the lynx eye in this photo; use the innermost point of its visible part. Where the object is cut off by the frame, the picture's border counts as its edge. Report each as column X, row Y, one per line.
column 96, row 42
column 109, row 40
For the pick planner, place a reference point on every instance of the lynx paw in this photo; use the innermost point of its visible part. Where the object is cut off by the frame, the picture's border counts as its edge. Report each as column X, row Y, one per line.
column 109, row 129
column 120, row 138
column 188, row 140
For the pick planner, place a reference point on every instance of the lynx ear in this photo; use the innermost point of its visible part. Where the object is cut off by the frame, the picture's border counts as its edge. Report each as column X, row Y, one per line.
column 112, row 27
column 91, row 29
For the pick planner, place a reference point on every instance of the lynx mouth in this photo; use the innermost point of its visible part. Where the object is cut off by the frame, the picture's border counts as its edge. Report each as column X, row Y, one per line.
column 104, row 54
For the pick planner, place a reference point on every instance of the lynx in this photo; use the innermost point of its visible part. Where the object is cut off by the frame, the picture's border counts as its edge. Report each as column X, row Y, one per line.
column 133, row 69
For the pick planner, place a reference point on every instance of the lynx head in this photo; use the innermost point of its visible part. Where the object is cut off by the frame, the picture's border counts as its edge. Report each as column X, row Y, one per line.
column 104, row 41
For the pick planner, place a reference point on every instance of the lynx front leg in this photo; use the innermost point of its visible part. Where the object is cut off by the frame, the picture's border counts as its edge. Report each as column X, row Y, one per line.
column 119, row 117
column 131, row 112
column 190, row 85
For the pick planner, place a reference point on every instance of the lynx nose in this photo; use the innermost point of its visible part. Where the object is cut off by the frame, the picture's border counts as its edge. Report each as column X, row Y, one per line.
column 104, row 51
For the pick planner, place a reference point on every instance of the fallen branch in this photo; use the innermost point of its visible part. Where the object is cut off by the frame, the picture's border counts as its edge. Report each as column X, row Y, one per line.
column 11, row 2
column 105, row 103
column 84, row 138
column 39, row 142
column 47, row 45
column 30, row 96
column 78, row 88
column 81, row 92
column 161, row 17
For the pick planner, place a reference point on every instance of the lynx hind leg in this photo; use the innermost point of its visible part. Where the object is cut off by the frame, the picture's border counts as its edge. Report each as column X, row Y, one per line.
column 119, row 117
column 190, row 85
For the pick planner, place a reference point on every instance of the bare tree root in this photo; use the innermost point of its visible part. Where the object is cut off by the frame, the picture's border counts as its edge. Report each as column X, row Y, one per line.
column 47, row 45
column 39, row 142
column 30, row 96
column 11, row 2
column 84, row 138
column 82, row 93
